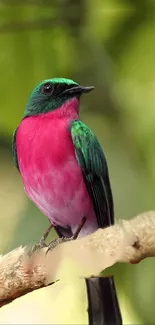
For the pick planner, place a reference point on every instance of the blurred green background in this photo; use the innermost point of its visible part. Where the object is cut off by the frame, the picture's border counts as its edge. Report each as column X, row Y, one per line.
column 109, row 44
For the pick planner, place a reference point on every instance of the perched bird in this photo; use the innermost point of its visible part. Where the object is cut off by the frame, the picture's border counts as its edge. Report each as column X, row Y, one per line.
column 60, row 160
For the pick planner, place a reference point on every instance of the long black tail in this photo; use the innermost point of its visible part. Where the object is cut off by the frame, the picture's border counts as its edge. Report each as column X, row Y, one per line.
column 103, row 308
column 103, row 303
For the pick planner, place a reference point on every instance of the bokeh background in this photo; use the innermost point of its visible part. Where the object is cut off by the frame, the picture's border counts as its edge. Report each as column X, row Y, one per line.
column 109, row 44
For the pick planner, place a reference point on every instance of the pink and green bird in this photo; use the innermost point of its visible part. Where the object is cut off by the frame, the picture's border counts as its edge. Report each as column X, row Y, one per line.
column 64, row 172
column 60, row 160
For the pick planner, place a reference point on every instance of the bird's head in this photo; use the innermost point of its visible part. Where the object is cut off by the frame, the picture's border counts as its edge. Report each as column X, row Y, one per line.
column 51, row 94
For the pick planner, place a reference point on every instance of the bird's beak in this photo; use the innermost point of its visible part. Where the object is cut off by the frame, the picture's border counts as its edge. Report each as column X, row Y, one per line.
column 79, row 90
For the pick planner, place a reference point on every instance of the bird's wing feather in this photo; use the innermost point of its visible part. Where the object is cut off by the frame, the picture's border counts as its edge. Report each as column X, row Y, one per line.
column 93, row 164
column 14, row 149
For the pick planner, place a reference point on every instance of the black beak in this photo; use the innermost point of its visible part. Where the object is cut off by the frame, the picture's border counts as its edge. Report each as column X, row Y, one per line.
column 79, row 90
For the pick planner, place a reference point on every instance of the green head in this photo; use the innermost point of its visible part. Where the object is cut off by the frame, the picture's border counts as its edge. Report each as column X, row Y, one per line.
column 51, row 94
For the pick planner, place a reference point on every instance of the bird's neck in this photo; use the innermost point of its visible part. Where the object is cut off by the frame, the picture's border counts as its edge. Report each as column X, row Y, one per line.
column 68, row 110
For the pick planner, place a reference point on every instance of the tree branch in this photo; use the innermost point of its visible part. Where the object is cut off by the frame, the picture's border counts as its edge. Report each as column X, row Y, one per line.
column 129, row 241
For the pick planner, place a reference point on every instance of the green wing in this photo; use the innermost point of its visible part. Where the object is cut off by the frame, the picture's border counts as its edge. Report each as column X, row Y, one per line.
column 14, row 150
column 93, row 164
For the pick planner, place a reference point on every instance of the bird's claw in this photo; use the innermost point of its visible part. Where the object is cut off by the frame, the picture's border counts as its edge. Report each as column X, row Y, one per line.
column 37, row 246
column 61, row 240
column 41, row 243
column 58, row 241
column 55, row 242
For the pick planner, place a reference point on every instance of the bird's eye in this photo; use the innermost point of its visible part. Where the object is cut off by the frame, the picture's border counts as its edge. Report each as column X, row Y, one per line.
column 47, row 89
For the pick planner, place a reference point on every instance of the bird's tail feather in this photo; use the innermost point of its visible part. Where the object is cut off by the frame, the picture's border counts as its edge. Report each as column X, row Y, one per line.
column 103, row 308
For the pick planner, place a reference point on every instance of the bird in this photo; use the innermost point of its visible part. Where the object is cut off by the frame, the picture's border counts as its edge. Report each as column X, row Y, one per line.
column 61, row 162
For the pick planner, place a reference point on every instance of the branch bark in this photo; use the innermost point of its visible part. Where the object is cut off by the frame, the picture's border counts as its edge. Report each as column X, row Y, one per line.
column 128, row 241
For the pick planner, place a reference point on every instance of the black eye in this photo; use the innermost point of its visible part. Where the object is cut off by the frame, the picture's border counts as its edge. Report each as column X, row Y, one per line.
column 47, row 89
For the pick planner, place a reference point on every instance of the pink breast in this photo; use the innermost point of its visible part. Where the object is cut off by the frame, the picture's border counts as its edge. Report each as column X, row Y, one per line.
column 51, row 175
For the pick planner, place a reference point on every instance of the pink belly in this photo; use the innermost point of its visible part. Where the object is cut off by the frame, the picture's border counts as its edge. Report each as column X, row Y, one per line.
column 60, row 194
column 51, row 175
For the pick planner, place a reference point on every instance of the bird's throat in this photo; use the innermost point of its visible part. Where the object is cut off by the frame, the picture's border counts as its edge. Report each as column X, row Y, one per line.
column 69, row 109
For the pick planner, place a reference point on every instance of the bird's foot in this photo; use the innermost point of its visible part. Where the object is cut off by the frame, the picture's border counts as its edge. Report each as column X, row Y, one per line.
column 56, row 242
column 61, row 240
column 76, row 234
column 41, row 243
